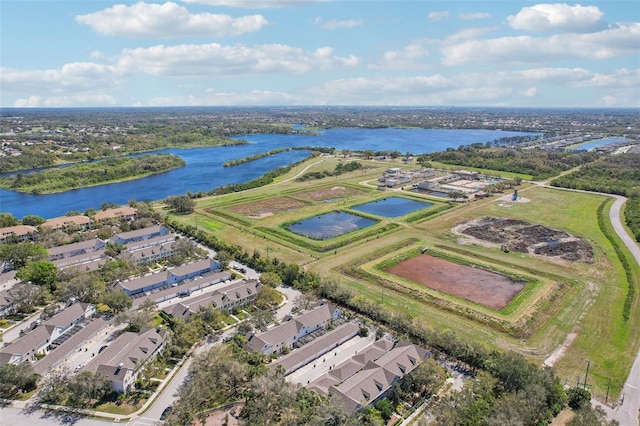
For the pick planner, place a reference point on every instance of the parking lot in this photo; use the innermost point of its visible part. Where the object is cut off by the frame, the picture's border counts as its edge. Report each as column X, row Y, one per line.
column 92, row 347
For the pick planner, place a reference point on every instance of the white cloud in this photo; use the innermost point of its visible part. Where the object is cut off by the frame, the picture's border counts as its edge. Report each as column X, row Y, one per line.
column 612, row 42
column 166, row 20
column 473, row 16
column 521, row 87
column 408, row 58
column 214, row 60
column 557, row 16
column 76, row 77
column 66, row 101
column 333, row 24
column 438, row 16
column 254, row 4
column 469, row 33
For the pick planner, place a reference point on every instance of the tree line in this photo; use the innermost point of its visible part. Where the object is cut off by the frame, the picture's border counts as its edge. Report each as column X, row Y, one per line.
column 615, row 174
column 540, row 164
column 88, row 174
column 510, row 379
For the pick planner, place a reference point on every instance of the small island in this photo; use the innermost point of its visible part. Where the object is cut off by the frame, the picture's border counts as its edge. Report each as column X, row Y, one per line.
column 91, row 174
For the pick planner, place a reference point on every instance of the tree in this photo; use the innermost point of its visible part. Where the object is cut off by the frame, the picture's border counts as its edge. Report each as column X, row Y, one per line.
column 181, row 204
column 305, row 300
column 268, row 298
column 117, row 300
column 84, row 287
column 7, row 220
column 261, row 318
column 32, row 220
column 27, row 296
column 224, row 258
column 19, row 254
column 578, row 398
column 42, row 273
column 88, row 386
column 385, row 409
column 270, row 279
column 16, row 378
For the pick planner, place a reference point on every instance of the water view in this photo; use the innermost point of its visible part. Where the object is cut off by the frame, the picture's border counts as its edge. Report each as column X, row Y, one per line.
column 330, row 225
column 588, row 146
column 204, row 170
column 392, row 207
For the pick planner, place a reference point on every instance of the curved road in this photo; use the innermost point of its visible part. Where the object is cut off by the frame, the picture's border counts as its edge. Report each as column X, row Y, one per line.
column 629, row 411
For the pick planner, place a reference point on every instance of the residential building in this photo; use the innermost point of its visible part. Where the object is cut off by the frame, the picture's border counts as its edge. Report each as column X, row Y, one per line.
column 125, row 238
column 292, row 329
column 150, row 253
column 224, row 298
column 315, row 349
column 168, row 277
column 122, row 360
column 80, row 252
column 18, row 232
column 118, row 213
column 368, row 376
column 39, row 340
column 76, row 222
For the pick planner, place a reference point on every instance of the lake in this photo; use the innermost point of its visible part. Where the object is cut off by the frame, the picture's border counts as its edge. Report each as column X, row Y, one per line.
column 204, row 170
column 330, row 225
column 392, row 207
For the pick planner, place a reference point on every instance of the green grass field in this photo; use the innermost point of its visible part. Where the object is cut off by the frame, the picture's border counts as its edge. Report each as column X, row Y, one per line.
column 585, row 299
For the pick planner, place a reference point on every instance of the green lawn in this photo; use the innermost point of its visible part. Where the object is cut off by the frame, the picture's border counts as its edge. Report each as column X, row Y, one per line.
column 592, row 294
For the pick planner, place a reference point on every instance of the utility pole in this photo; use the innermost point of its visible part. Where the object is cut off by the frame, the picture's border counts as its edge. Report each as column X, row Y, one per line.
column 586, row 375
column 606, row 398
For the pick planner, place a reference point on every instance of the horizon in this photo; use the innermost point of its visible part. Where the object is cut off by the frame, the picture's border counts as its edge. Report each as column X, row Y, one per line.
column 320, row 53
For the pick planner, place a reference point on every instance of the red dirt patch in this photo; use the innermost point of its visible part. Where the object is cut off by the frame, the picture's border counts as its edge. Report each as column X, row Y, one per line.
column 326, row 194
column 267, row 207
column 476, row 285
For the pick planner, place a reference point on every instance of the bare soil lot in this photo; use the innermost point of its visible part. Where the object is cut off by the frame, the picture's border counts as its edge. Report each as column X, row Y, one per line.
column 267, row 207
column 329, row 193
column 521, row 236
column 476, row 285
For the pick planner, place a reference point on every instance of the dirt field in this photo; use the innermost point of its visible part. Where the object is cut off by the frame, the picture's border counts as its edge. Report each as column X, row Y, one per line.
column 521, row 236
column 267, row 207
column 331, row 193
column 476, row 285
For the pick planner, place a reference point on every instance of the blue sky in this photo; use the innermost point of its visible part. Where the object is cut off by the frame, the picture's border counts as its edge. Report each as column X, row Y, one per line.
column 60, row 53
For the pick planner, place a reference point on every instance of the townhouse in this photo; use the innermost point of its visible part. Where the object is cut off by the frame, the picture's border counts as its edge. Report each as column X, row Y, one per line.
column 46, row 335
column 168, row 277
column 122, row 360
column 224, row 299
column 292, row 329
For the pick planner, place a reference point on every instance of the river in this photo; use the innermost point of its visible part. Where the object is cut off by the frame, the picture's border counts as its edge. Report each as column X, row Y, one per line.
column 204, row 170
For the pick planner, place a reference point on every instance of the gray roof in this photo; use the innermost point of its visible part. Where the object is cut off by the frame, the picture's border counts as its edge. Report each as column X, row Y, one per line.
column 69, row 345
column 127, row 351
column 288, row 329
column 68, row 315
column 90, row 245
column 316, row 348
column 33, row 339
column 273, row 336
column 140, row 233
column 376, row 377
column 145, row 281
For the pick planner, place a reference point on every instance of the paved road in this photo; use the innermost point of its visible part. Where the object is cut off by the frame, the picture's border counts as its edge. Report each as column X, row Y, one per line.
column 628, row 412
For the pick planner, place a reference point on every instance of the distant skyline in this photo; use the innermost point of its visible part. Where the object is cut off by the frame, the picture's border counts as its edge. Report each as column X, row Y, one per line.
column 87, row 53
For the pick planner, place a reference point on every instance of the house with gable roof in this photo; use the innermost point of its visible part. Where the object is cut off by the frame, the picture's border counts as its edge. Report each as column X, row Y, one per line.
column 292, row 329
column 168, row 277
column 40, row 339
column 122, row 360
